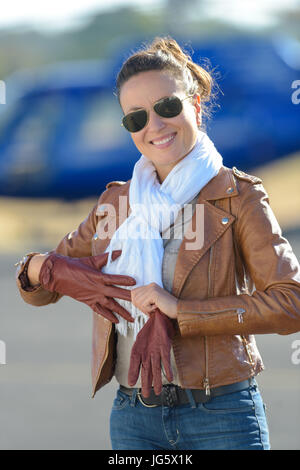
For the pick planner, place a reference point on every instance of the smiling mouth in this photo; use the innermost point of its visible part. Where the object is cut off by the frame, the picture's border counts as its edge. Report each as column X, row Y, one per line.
column 165, row 140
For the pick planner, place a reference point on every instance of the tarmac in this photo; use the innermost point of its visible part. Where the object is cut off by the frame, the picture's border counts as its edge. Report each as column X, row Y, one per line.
column 45, row 385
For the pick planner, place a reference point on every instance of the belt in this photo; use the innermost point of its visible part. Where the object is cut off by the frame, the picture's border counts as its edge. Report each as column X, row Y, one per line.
column 173, row 395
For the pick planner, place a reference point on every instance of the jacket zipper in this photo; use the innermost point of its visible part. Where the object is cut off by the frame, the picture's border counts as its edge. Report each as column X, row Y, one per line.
column 240, row 312
column 206, row 379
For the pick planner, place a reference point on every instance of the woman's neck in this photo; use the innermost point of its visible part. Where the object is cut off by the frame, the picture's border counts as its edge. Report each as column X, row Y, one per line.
column 163, row 170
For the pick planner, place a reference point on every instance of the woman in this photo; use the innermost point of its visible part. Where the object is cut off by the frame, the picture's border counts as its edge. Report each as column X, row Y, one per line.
column 193, row 254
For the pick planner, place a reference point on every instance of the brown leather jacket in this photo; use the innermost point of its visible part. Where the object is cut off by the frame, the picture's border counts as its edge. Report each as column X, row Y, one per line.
column 244, row 280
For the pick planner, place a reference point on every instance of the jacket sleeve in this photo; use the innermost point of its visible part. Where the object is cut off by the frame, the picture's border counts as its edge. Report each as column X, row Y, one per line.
column 74, row 244
column 274, row 306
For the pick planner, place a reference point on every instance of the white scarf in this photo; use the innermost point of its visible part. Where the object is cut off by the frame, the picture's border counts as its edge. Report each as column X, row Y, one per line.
column 154, row 208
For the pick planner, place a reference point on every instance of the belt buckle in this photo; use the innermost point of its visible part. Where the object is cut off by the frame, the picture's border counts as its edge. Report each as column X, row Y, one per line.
column 139, row 394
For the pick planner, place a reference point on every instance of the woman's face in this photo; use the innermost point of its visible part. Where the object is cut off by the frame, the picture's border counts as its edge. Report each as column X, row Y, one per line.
column 164, row 141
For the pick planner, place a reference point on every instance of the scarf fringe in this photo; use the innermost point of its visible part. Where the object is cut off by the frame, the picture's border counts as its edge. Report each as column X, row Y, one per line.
column 139, row 319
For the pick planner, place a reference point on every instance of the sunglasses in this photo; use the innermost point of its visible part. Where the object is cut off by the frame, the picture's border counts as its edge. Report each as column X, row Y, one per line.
column 167, row 107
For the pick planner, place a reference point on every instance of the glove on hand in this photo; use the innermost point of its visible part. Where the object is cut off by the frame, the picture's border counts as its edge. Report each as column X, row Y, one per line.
column 82, row 279
column 152, row 349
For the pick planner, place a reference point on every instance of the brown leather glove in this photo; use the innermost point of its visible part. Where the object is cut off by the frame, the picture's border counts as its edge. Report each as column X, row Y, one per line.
column 152, row 349
column 82, row 279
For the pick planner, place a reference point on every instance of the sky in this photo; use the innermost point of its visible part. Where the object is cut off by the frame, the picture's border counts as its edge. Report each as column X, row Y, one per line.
column 57, row 14
column 62, row 14
column 249, row 12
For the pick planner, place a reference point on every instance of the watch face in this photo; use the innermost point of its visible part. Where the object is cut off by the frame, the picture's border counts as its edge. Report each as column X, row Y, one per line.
column 22, row 261
column 21, row 272
column 20, row 264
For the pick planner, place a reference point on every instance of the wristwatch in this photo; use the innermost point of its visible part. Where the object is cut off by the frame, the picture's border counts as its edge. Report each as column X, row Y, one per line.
column 21, row 274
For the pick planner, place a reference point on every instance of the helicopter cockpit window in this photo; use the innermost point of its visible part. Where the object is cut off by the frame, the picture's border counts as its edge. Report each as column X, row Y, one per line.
column 28, row 144
column 101, row 124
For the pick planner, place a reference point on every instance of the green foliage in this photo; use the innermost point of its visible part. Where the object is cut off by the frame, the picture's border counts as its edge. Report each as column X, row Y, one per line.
column 28, row 48
column 100, row 36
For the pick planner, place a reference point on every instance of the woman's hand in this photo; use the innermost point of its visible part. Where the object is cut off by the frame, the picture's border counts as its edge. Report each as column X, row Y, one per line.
column 83, row 280
column 148, row 298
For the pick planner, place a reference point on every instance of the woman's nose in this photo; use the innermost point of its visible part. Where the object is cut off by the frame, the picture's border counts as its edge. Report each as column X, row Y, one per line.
column 155, row 122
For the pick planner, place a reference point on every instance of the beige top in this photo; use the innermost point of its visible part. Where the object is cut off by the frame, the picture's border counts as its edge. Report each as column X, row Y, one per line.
column 172, row 239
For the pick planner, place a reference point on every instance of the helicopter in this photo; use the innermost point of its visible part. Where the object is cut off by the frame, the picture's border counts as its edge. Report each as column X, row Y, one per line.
column 61, row 134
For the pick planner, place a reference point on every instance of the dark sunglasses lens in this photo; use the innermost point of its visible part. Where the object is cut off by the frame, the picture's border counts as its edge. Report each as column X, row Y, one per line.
column 135, row 121
column 168, row 107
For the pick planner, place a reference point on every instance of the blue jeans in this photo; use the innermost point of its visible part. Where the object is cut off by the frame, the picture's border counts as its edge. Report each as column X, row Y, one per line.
column 235, row 421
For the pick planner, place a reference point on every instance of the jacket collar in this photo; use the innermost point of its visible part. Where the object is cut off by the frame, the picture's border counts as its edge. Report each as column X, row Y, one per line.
column 221, row 186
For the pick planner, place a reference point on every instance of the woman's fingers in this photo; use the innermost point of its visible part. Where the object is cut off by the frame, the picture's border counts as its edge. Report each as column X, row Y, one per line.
column 156, row 372
column 114, row 306
column 146, row 378
column 134, row 369
column 115, row 254
column 106, row 313
column 98, row 261
column 166, row 363
column 117, row 292
column 101, row 260
column 142, row 301
column 115, row 279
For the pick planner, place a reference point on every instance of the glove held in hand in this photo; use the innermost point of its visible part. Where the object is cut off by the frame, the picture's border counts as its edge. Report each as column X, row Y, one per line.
column 151, row 351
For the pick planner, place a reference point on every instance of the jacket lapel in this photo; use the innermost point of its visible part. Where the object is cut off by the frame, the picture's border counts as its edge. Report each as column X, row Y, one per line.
column 120, row 200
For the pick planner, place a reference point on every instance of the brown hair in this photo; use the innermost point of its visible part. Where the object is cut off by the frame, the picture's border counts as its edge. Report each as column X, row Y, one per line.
column 164, row 53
